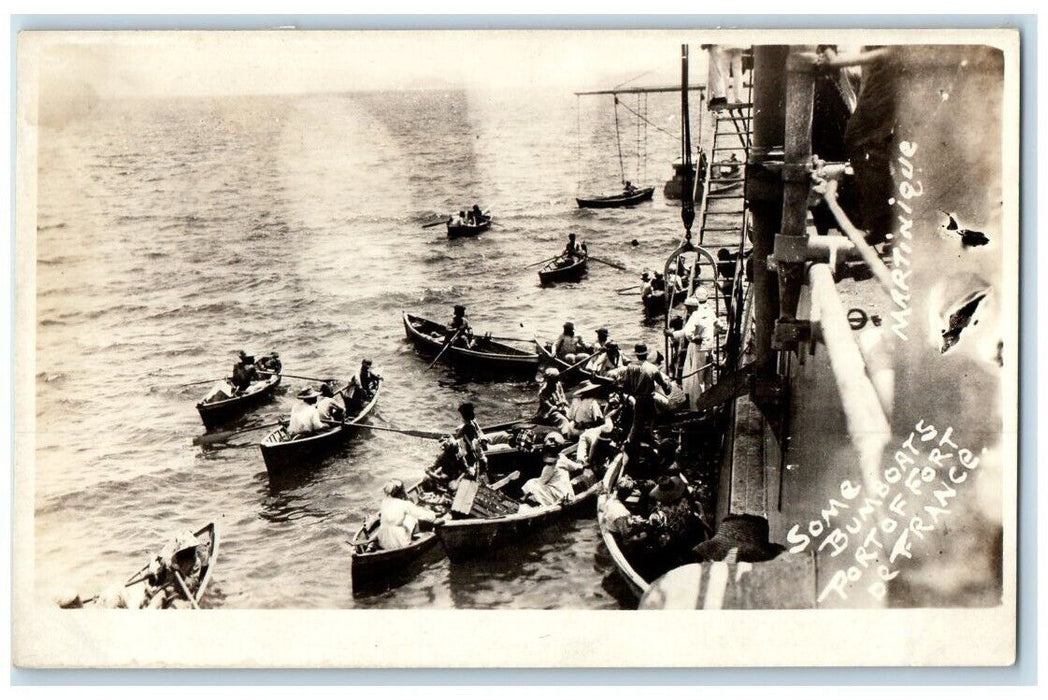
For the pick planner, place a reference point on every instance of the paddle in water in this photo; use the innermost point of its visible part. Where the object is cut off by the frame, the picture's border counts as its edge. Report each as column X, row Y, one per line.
column 609, row 263
column 446, row 346
column 222, row 436
column 542, row 261
column 437, row 223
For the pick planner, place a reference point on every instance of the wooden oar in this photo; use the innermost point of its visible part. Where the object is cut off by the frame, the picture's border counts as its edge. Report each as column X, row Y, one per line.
column 446, row 346
column 582, row 361
column 626, row 289
column 210, row 438
column 202, row 381
column 542, row 261
column 609, row 264
column 185, row 590
column 513, row 476
column 298, row 376
column 424, row 434
column 430, row 434
column 437, row 223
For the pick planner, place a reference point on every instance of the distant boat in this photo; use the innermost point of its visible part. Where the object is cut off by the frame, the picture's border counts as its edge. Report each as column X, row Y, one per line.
column 623, row 199
column 468, row 229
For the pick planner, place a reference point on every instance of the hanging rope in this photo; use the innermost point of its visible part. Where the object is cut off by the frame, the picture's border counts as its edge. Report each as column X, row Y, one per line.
column 618, row 140
column 578, row 145
column 637, row 146
column 650, row 123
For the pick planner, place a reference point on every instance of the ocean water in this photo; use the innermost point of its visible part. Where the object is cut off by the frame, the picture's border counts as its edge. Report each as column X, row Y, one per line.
column 173, row 232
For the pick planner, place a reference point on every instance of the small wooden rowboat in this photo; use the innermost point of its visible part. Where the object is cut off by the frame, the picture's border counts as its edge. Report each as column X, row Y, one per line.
column 468, row 230
column 623, row 199
column 471, row 536
column 375, row 568
column 208, row 537
column 486, row 356
column 283, row 454
column 655, row 303
column 217, row 412
column 567, row 379
column 636, row 583
column 563, row 269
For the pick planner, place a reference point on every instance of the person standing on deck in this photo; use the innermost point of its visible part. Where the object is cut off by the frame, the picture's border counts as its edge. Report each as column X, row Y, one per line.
column 459, row 325
column 724, row 61
column 474, row 442
column 701, row 332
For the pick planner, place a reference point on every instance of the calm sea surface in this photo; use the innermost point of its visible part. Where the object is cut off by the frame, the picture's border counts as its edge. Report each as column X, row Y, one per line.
column 172, row 233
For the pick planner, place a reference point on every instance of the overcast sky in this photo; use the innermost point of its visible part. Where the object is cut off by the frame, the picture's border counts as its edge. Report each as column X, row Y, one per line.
column 210, row 63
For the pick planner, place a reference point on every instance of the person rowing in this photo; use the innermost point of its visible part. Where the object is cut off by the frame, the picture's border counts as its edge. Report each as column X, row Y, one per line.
column 569, row 347
column 361, row 388
column 476, row 216
column 629, row 187
column 329, row 407
column 573, row 251
column 459, row 329
column 269, row 364
column 183, row 557
column 606, row 361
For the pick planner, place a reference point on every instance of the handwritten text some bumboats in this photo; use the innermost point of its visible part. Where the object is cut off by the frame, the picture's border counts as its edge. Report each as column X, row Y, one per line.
column 870, row 528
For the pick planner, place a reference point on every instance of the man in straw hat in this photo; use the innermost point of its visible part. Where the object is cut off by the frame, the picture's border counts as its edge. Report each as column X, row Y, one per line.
column 747, row 535
column 305, row 418
column 676, row 524
column 584, row 411
column 183, row 556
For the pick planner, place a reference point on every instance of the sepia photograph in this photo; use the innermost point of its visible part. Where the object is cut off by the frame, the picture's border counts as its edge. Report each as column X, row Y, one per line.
column 571, row 334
